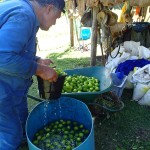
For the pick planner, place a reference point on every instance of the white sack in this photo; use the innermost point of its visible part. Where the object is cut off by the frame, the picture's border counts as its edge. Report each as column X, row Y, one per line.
column 114, row 53
column 144, row 52
column 132, row 47
column 139, row 91
column 129, row 84
column 113, row 64
column 142, row 75
column 145, row 99
column 124, row 56
column 133, row 57
column 116, row 61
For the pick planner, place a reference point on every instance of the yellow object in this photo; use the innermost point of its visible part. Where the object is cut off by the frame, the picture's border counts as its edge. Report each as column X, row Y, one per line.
column 124, row 9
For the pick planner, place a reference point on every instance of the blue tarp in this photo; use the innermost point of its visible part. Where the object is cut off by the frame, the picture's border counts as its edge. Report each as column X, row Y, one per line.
column 127, row 66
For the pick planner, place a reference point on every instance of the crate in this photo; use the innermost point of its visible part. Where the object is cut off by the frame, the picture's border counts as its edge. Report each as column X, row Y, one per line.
column 118, row 84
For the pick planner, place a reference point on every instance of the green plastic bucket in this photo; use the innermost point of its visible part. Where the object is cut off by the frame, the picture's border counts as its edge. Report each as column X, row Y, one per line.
column 62, row 108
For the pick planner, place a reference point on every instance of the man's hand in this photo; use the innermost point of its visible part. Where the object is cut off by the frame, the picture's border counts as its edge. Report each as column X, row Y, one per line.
column 46, row 72
column 45, row 61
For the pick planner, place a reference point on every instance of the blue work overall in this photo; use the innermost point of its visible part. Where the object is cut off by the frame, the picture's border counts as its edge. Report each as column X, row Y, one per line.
column 18, row 28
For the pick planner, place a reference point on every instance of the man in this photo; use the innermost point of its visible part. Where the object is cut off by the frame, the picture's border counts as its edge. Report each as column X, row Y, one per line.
column 19, row 23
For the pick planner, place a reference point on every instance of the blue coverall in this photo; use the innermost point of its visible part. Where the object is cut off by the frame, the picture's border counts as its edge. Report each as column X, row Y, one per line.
column 18, row 28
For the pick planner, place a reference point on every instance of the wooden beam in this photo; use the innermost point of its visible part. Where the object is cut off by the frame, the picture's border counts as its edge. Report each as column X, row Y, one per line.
column 71, row 32
column 94, row 36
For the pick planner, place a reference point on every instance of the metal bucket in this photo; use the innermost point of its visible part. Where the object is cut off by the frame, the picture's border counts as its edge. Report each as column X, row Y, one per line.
column 70, row 109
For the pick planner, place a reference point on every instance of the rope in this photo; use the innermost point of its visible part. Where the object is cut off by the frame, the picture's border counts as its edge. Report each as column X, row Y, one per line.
column 119, row 43
column 109, row 47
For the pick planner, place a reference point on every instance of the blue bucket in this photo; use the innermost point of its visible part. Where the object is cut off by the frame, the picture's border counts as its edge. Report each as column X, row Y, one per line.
column 85, row 34
column 71, row 109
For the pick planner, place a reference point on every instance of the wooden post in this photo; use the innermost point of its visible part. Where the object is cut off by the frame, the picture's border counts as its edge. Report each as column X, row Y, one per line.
column 94, row 37
column 71, row 32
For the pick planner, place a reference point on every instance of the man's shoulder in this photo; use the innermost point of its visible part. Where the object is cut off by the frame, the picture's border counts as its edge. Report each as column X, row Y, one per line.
column 15, row 5
column 16, row 10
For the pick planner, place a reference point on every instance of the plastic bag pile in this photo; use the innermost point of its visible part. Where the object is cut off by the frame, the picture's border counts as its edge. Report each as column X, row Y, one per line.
column 138, row 79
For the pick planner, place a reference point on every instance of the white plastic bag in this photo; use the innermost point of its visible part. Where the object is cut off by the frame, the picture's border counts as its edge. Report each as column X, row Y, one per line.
column 116, row 61
column 129, row 84
column 139, row 91
column 145, row 100
column 142, row 75
column 113, row 64
column 133, row 57
column 144, row 52
column 114, row 53
column 132, row 47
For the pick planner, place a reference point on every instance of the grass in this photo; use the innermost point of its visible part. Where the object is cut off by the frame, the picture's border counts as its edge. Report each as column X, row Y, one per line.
column 128, row 129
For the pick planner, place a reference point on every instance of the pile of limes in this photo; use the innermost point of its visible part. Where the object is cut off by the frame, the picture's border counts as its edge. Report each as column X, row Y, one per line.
column 61, row 134
column 60, row 72
column 80, row 83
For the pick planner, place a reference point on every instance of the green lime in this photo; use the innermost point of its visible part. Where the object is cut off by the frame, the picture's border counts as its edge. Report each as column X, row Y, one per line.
column 60, row 125
column 68, row 147
column 35, row 142
column 68, row 122
column 68, row 127
column 71, row 136
column 66, row 132
column 48, row 144
column 43, row 138
column 72, row 132
column 81, row 135
column 78, row 139
column 86, row 131
column 39, row 137
column 63, row 142
column 48, row 134
column 76, row 128
column 81, row 126
column 65, row 136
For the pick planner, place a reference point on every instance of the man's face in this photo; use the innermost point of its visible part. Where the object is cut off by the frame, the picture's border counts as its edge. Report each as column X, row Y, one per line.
column 48, row 17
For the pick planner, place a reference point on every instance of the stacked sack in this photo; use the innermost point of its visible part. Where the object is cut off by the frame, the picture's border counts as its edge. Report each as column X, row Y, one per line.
column 138, row 78
column 141, row 80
